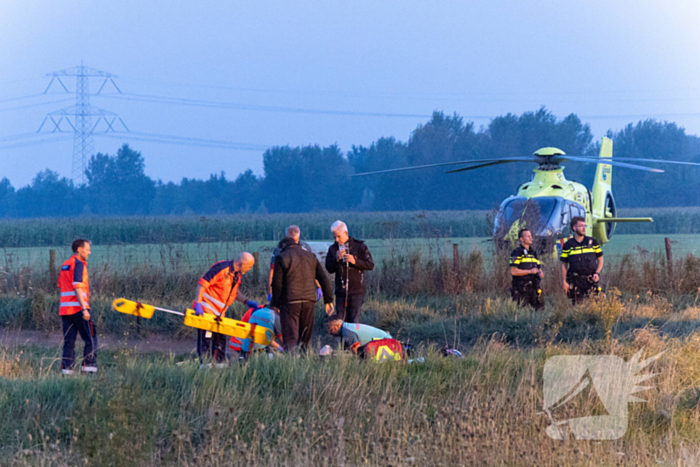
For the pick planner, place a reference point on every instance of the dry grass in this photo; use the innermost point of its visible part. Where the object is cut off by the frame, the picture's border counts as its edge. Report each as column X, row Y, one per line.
column 483, row 410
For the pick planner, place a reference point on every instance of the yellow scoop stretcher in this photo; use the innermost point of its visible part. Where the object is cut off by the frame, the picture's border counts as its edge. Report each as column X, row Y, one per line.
column 207, row 322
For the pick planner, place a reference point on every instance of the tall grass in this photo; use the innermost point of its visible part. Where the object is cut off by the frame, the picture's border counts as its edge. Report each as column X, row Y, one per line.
column 301, row 411
column 417, row 294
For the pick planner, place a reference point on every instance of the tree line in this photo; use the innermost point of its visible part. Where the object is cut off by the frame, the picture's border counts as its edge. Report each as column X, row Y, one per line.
column 314, row 178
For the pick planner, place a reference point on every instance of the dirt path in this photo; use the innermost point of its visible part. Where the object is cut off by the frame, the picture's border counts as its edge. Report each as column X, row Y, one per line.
column 152, row 343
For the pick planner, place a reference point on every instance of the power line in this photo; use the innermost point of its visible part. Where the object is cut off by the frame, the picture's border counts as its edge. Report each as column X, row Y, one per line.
column 254, row 107
column 36, row 142
column 18, row 136
column 401, row 95
column 39, row 104
column 22, row 97
column 183, row 140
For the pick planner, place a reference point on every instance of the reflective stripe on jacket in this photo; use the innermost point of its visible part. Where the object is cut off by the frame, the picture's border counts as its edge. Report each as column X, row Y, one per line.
column 522, row 258
column 220, row 287
column 582, row 257
column 73, row 278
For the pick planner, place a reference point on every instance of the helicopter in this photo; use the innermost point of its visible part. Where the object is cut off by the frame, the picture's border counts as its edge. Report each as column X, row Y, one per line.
column 547, row 203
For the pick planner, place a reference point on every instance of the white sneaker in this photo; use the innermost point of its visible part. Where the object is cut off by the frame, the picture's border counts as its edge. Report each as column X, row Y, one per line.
column 204, row 365
column 90, row 369
column 222, row 365
column 67, row 372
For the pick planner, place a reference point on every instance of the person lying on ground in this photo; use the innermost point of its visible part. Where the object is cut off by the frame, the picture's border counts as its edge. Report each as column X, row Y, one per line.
column 354, row 336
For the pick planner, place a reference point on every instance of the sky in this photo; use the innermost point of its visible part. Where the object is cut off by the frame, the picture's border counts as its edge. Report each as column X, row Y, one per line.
column 254, row 74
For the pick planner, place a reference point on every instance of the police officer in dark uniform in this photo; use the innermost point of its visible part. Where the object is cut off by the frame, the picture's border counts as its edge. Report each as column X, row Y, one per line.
column 527, row 272
column 584, row 258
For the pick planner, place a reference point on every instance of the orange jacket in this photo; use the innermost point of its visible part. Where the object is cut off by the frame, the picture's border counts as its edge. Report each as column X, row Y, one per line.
column 73, row 278
column 220, row 287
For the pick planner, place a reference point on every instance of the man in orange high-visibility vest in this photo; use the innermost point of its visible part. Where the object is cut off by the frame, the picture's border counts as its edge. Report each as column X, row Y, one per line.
column 216, row 291
column 75, row 309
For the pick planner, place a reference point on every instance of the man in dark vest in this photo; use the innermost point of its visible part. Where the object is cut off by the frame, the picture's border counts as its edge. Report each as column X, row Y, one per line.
column 581, row 263
column 527, row 272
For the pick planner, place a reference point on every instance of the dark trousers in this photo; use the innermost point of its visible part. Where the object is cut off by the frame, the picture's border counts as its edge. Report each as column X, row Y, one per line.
column 527, row 298
column 581, row 287
column 353, row 312
column 212, row 347
column 72, row 326
column 297, row 324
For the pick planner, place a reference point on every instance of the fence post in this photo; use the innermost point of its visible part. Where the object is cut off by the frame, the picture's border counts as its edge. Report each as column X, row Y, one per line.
column 669, row 261
column 52, row 267
column 256, row 268
column 455, row 257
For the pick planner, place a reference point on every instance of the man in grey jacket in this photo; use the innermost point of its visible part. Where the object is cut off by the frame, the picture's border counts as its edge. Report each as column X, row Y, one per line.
column 294, row 292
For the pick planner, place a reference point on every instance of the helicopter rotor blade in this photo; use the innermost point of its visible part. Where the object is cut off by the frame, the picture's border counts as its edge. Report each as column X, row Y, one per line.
column 488, row 164
column 607, row 161
column 443, row 164
column 660, row 161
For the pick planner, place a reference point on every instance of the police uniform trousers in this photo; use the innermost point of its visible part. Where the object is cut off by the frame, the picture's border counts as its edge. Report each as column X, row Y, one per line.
column 581, row 287
column 524, row 297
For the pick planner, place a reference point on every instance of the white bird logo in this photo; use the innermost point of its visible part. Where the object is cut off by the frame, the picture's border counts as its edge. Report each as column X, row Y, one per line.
column 615, row 382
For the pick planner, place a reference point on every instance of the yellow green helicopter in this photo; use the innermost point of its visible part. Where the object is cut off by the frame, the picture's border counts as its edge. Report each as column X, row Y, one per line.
column 548, row 202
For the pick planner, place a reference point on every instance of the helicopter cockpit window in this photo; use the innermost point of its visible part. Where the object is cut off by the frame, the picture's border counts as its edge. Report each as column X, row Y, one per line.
column 535, row 212
column 546, row 216
column 569, row 210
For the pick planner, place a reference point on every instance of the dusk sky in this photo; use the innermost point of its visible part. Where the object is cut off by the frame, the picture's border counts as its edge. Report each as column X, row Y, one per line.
column 299, row 72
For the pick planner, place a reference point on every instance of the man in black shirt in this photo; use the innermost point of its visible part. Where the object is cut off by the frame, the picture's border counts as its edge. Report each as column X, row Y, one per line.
column 348, row 259
column 584, row 259
column 526, row 271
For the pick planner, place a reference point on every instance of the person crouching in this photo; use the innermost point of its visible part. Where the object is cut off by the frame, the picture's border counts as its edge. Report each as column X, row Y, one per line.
column 354, row 336
column 216, row 291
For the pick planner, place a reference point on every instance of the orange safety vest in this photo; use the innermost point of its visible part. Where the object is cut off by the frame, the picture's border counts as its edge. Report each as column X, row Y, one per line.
column 73, row 278
column 220, row 286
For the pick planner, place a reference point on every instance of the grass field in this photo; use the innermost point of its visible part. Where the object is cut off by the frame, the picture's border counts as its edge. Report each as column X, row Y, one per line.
column 314, row 226
column 160, row 409
column 153, row 409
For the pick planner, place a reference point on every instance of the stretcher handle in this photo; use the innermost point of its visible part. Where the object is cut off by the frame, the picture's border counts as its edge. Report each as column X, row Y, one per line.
column 169, row 311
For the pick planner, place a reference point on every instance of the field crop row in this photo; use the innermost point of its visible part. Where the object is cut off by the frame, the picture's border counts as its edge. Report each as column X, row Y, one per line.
column 315, row 226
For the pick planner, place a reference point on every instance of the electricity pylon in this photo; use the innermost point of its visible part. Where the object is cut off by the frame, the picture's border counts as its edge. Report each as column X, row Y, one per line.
column 82, row 113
